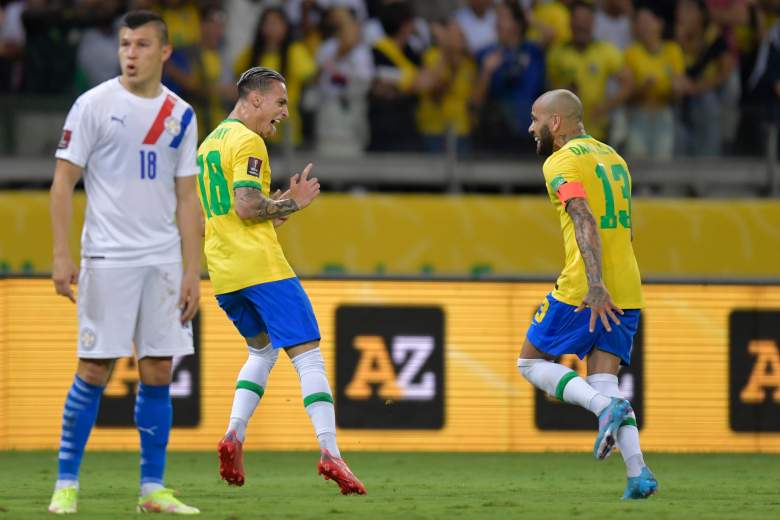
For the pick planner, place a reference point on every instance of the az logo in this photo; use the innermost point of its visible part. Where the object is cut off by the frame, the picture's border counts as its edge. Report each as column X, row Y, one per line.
column 754, row 371
column 375, row 369
column 390, row 367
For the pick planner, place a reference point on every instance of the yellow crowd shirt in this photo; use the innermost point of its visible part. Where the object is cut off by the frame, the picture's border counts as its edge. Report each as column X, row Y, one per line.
column 654, row 73
column 300, row 68
column 553, row 15
column 240, row 253
column 587, row 73
column 587, row 163
column 436, row 114
column 183, row 24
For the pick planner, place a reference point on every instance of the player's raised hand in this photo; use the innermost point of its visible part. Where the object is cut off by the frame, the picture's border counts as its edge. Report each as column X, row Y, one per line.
column 601, row 305
column 64, row 274
column 303, row 189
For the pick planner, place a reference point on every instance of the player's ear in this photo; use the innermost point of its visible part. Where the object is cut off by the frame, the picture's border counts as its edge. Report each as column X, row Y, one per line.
column 167, row 49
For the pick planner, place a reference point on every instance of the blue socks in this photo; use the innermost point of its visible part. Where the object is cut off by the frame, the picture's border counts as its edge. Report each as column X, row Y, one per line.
column 81, row 408
column 153, row 417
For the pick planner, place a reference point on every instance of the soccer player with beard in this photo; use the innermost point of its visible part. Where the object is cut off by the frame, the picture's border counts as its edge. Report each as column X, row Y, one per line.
column 254, row 284
column 594, row 308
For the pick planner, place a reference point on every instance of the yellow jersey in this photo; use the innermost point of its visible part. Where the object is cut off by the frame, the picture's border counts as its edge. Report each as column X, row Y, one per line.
column 655, row 72
column 586, row 72
column 553, row 15
column 590, row 164
column 240, row 253
column 451, row 108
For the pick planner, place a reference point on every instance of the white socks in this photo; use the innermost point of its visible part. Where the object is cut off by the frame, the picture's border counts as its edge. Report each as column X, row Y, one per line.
column 563, row 383
column 317, row 398
column 250, row 387
column 628, row 434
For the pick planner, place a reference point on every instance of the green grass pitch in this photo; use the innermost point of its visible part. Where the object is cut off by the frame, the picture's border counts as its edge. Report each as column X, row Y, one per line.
column 409, row 486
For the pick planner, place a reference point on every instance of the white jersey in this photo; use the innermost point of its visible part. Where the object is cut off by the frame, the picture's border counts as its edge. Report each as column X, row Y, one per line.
column 131, row 149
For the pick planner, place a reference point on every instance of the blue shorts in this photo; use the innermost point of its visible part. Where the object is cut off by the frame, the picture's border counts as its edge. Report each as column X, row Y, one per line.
column 556, row 330
column 280, row 309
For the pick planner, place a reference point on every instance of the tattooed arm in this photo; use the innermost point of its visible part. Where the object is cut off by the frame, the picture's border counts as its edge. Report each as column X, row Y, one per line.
column 252, row 204
column 589, row 243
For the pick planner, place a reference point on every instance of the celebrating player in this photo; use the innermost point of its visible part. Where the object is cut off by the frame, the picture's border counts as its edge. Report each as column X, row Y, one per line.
column 134, row 141
column 583, row 177
column 255, row 285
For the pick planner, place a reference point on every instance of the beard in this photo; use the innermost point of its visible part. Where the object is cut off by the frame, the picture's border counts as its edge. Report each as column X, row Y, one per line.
column 544, row 147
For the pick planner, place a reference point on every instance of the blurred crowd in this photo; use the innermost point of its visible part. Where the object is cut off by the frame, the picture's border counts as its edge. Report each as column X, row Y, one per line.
column 659, row 78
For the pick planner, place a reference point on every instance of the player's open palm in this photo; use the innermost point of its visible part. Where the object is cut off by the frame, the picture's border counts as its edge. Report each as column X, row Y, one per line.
column 65, row 274
column 601, row 306
column 304, row 189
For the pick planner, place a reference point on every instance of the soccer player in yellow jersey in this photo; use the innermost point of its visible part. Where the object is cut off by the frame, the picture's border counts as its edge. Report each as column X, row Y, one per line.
column 594, row 309
column 254, row 284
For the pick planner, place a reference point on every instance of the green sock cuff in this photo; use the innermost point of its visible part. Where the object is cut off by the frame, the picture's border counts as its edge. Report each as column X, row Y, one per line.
column 629, row 421
column 562, row 384
column 249, row 385
column 316, row 398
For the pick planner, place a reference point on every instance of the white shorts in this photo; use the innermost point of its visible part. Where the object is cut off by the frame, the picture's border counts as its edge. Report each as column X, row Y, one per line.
column 121, row 305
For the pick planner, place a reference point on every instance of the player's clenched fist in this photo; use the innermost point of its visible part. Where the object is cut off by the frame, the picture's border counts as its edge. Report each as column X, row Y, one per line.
column 64, row 273
column 303, row 189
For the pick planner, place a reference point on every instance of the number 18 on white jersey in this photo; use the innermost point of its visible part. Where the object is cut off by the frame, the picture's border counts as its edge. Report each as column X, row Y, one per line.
column 131, row 149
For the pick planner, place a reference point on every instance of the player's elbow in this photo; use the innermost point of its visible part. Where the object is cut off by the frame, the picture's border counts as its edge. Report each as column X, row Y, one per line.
column 243, row 211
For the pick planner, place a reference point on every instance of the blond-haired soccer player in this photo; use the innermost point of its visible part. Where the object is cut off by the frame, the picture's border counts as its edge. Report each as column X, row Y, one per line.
column 134, row 142
column 255, row 285
column 594, row 309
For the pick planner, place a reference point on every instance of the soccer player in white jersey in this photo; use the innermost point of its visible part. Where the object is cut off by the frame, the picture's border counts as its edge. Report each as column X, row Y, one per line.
column 134, row 142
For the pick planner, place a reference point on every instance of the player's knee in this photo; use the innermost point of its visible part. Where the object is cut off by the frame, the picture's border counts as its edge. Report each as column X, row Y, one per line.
column 526, row 366
column 310, row 360
column 606, row 384
column 267, row 353
column 94, row 371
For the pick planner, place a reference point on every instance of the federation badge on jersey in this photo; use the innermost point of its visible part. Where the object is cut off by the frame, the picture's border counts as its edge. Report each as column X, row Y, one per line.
column 64, row 140
column 253, row 166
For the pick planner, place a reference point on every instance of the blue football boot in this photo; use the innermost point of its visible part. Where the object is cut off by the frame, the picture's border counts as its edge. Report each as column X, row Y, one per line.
column 610, row 420
column 642, row 486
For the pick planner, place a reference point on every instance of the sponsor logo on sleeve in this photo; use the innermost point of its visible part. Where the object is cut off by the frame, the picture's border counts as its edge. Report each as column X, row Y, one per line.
column 253, row 167
column 64, row 140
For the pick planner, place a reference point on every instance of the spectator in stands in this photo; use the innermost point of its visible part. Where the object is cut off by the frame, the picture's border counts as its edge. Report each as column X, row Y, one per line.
column 729, row 16
column 585, row 67
column 764, row 81
column 97, row 57
column 183, row 20
column 612, row 23
column 51, row 38
column 511, row 77
column 478, row 22
column 709, row 65
column 444, row 105
column 200, row 74
column 397, row 82
column 549, row 23
column 274, row 47
column 657, row 71
column 346, row 68
column 11, row 46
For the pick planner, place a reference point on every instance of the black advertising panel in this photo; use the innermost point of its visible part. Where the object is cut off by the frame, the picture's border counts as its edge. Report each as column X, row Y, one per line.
column 390, row 367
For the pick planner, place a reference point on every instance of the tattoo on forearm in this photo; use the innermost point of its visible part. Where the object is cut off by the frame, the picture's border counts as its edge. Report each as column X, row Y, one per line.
column 262, row 207
column 588, row 238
